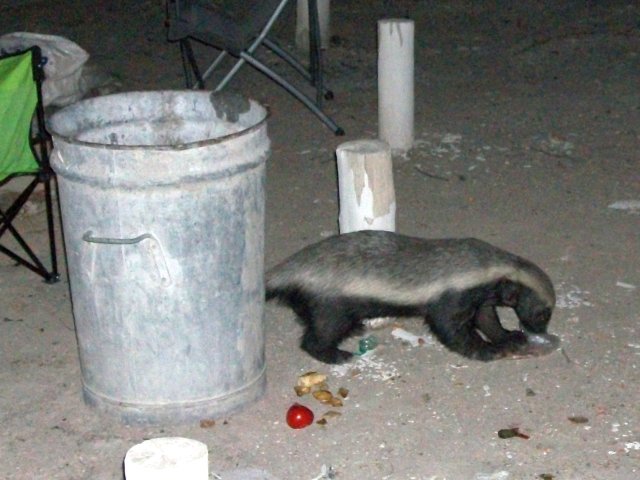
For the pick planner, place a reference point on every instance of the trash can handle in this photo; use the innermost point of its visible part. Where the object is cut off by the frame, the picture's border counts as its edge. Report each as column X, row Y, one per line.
column 155, row 250
column 88, row 237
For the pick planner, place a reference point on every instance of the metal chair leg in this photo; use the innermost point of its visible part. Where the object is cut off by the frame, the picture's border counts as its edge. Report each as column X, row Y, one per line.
column 295, row 92
column 296, row 65
column 190, row 65
column 35, row 265
column 315, row 53
column 54, row 275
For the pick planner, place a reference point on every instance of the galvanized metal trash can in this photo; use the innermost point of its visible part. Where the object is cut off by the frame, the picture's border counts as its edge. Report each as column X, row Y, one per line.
column 162, row 200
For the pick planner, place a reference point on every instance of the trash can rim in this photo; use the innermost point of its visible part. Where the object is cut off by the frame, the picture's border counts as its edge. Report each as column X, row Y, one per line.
column 181, row 146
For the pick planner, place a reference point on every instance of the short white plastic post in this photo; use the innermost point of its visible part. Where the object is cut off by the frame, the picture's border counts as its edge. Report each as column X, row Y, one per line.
column 167, row 458
column 395, row 83
column 302, row 24
column 365, row 184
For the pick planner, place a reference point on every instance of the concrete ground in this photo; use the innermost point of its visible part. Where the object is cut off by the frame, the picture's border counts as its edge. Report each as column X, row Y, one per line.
column 527, row 134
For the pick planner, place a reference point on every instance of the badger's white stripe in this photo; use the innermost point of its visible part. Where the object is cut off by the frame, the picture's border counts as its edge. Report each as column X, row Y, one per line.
column 402, row 293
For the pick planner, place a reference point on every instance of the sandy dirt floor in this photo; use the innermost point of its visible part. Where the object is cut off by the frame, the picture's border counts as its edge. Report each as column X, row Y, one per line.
column 527, row 132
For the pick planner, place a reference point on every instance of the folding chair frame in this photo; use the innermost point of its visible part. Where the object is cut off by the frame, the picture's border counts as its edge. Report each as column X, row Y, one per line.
column 40, row 142
column 313, row 74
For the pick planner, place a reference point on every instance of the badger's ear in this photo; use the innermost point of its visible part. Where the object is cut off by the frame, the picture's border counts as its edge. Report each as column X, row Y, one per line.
column 509, row 293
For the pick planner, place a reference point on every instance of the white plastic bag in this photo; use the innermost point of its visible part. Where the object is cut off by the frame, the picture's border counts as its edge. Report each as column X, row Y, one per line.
column 65, row 60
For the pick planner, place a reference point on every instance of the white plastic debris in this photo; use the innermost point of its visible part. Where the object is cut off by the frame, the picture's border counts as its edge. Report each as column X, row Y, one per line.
column 571, row 296
column 500, row 475
column 65, row 61
column 376, row 323
column 367, row 366
column 326, row 473
column 167, row 458
column 632, row 206
column 631, row 446
column 628, row 286
column 245, row 474
column 411, row 338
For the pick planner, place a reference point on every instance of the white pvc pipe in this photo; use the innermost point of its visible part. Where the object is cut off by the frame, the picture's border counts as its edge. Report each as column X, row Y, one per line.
column 302, row 24
column 396, row 83
column 167, row 458
column 365, row 183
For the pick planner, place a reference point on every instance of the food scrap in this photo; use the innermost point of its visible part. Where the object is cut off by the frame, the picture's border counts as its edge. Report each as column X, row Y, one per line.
column 207, row 423
column 328, row 414
column 299, row 416
column 325, row 396
column 307, row 381
column 512, row 432
column 316, row 384
column 578, row 419
column 331, row 413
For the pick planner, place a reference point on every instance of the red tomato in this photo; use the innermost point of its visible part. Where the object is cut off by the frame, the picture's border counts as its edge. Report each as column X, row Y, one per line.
column 299, row 416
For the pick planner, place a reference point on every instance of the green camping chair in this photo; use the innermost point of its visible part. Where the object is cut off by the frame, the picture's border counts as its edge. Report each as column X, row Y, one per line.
column 24, row 151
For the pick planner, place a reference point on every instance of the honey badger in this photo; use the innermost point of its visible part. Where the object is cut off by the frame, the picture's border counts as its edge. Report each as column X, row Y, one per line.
column 454, row 284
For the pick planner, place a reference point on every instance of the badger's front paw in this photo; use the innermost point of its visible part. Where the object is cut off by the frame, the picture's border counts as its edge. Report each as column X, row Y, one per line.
column 332, row 356
column 536, row 345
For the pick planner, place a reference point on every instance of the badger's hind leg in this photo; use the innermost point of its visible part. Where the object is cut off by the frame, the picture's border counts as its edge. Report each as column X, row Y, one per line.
column 455, row 327
column 328, row 323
